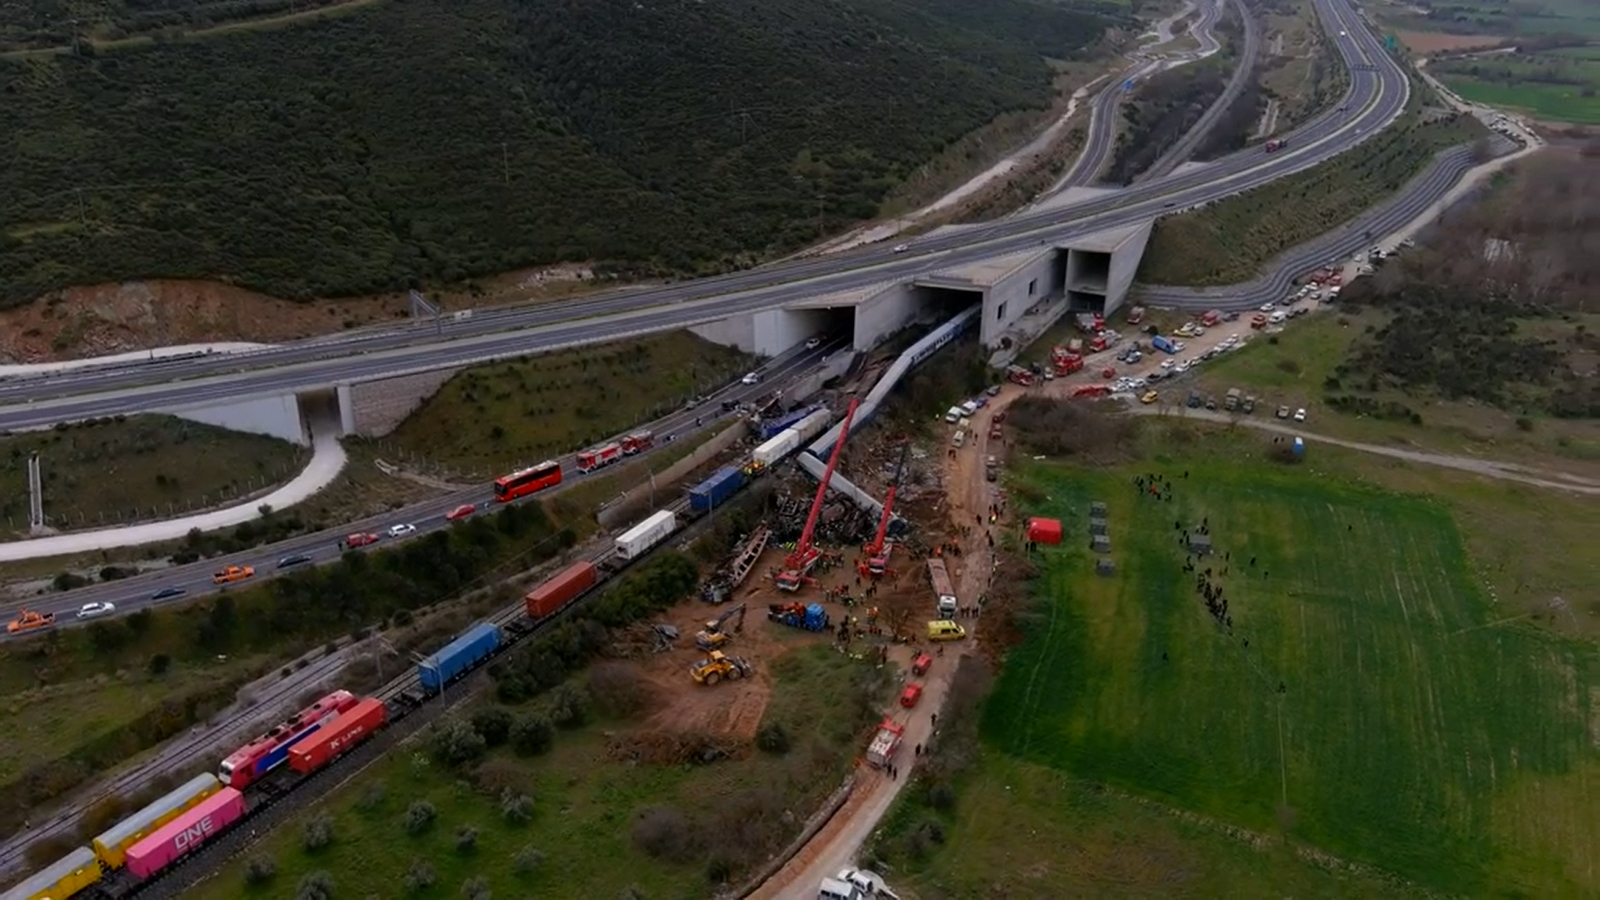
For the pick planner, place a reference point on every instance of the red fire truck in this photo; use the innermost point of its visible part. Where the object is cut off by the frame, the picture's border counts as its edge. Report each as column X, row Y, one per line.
column 599, row 457
column 638, row 442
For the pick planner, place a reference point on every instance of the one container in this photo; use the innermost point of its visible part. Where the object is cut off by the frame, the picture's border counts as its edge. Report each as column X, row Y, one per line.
column 555, row 591
column 340, row 735
column 769, row 428
column 638, row 540
column 185, row 833
column 784, row 444
column 813, row 425
column 461, row 654
column 65, row 877
column 716, row 490
column 112, row 845
column 1044, row 531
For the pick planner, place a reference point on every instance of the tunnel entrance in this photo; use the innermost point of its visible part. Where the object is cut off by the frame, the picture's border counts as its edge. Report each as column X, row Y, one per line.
column 1087, row 279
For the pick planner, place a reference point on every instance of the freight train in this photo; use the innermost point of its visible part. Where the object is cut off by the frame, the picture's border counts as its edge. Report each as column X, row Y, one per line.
column 147, row 845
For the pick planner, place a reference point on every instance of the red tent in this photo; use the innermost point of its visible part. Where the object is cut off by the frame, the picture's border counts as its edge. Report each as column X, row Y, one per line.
column 1044, row 531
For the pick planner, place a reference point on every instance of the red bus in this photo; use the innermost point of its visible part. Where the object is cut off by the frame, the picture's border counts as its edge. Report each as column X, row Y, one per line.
column 527, row 481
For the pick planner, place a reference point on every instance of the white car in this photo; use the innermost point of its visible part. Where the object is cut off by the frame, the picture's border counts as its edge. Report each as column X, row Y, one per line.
column 1267, row 307
column 1300, row 415
column 901, row 248
column 752, row 378
column 1181, row 368
column 1167, row 364
column 402, row 530
column 96, row 610
column 814, row 343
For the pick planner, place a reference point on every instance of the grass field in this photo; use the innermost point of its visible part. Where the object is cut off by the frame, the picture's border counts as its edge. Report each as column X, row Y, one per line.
column 1555, row 102
column 585, row 804
column 137, row 469
column 489, row 420
column 1229, row 240
column 1500, row 17
column 1381, row 713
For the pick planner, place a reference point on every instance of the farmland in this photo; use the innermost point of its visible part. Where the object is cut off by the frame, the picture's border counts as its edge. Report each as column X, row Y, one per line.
column 1495, row 17
column 1382, row 709
column 489, row 420
column 1557, row 85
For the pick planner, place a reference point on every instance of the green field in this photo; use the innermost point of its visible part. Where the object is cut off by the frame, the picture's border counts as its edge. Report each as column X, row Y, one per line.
column 1559, row 84
column 1534, row 17
column 490, row 420
column 1415, row 733
column 1559, row 102
column 586, row 804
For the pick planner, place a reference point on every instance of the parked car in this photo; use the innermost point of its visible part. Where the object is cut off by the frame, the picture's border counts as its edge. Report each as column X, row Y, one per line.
column 1283, row 412
column 1300, row 415
column 96, row 610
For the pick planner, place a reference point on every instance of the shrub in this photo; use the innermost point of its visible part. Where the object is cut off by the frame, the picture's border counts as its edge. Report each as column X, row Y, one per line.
column 494, row 724
column 260, row 870
column 371, row 797
column 568, row 706
column 516, row 809
column 420, row 876
column 419, row 816
column 663, row 833
column 318, row 831
column 466, row 839
column 773, row 738
column 618, row 688
column 315, row 886
column 475, row 888
column 159, row 664
column 527, row 861
column 533, row 735
column 456, row 743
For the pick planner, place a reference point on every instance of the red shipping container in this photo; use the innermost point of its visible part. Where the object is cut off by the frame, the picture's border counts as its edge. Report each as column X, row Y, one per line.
column 183, row 834
column 1044, row 531
column 563, row 586
column 338, row 736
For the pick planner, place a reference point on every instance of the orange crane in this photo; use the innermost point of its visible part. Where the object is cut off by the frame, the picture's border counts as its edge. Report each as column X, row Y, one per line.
column 877, row 552
column 797, row 566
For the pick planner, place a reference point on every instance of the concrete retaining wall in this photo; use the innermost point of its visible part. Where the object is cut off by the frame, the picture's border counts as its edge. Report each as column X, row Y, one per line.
column 375, row 408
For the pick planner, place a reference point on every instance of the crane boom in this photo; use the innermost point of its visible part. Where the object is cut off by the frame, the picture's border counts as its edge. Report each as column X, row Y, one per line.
column 877, row 559
column 805, row 555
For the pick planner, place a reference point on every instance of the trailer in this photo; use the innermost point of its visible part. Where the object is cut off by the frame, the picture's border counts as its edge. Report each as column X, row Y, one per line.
column 459, row 656
column 556, row 591
column 885, row 743
column 716, row 490
column 637, row 541
column 784, row 444
column 350, row 729
column 186, row 833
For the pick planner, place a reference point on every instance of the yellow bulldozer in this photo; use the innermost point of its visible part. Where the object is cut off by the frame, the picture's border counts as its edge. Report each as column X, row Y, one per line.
column 719, row 666
column 713, row 637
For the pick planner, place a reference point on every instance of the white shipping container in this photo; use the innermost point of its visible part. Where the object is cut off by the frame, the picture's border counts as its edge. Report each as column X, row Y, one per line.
column 813, row 425
column 782, row 444
column 634, row 542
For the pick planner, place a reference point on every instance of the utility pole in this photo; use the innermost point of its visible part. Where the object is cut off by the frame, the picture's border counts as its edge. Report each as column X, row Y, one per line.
column 505, row 161
column 35, row 494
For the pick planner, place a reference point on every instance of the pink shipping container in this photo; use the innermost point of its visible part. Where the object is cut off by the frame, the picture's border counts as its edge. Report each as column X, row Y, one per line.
column 186, row 832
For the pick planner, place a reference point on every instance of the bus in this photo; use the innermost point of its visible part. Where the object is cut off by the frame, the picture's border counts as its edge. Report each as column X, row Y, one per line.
column 527, row 481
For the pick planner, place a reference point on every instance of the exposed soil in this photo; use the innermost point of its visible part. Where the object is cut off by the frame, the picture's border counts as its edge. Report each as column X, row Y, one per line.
column 96, row 320
column 1426, row 42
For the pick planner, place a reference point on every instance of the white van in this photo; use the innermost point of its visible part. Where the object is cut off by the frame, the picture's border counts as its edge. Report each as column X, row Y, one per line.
column 834, row 889
column 959, row 439
column 1277, row 317
column 953, row 414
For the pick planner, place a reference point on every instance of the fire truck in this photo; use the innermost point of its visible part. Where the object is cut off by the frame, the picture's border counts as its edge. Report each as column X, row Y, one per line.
column 638, row 442
column 599, row 457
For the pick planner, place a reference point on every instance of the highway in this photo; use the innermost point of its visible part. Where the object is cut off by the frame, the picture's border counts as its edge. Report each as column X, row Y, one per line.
column 1377, row 93
column 194, row 580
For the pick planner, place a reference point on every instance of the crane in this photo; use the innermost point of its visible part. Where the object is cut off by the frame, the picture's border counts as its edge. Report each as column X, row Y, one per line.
column 877, row 552
column 797, row 566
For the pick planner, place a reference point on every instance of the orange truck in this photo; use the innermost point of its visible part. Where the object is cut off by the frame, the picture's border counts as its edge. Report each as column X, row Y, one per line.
column 30, row 621
column 231, row 574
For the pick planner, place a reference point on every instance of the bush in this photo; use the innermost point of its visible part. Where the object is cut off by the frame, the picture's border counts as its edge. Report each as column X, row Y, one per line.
column 568, row 706
column 773, row 738
column 533, row 735
column 260, row 870
column 618, row 688
column 371, row 796
column 315, row 886
column 475, row 888
column 466, row 839
column 516, row 809
column 318, row 831
column 663, row 833
column 159, row 664
column 494, row 724
column 456, row 743
column 420, row 876
column 419, row 816
column 527, row 861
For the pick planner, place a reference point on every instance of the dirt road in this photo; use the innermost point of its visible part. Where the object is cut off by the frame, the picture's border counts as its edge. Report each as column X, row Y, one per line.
column 836, row 845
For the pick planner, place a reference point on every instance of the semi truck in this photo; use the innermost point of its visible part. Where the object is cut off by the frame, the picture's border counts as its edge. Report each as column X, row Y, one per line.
column 637, row 541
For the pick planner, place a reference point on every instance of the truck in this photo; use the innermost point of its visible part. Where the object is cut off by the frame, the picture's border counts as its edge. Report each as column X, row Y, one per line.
column 885, row 743
column 352, row 727
column 1019, row 376
column 1099, row 342
column 1135, row 315
column 187, row 832
column 599, row 457
column 638, row 442
column 1231, row 401
column 1075, row 346
column 1089, row 323
column 1276, row 144
column 1211, row 318
column 1164, row 344
column 780, row 446
column 30, row 621
column 637, row 541
column 558, row 589
column 230, row 574
column 715, row 491
column 944, row 593
column 468, row 649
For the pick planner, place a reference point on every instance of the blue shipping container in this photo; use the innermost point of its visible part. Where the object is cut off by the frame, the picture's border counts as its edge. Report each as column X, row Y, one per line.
column 458, row 656
column 1162, row 344
column 770, row 427
column 716, row 490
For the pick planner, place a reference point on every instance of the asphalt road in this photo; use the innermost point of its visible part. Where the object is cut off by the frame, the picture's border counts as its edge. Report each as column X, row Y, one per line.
column 1244, row 68
column 1377, row 93
column 322, row 547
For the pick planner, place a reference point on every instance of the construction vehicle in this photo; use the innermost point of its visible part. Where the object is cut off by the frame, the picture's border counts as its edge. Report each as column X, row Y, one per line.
column 811, row 617
column 719, row 666
column 876, row 553
column 29, row 620
column 230, row 574
column 713, row 637
column 797, row 566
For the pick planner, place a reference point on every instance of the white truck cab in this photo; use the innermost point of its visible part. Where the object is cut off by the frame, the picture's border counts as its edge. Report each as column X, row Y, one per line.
column 834, row 889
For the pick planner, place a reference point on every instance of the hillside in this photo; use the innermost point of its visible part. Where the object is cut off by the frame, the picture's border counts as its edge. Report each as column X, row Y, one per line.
column 435, row 142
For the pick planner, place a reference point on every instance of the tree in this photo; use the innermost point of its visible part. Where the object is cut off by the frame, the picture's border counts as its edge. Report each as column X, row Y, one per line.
column 419, row 816
column 318, row 832
column 456, row 743
column 315, row 886
column 533, row 735
column 494, row 724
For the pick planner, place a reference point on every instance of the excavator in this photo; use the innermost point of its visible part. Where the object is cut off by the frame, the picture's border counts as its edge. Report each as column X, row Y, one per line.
column 797, row 566
column 718, row 666
column 713, row 637
column 877, row 553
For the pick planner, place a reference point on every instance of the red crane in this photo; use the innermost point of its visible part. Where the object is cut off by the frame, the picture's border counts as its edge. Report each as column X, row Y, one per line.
column 797, row 566
column 877, row 552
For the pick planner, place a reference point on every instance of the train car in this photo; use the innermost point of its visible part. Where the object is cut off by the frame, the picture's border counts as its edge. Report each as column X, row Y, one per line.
column 255, row 759
column 560, row 588
column 472, row 647
column 350, row 729
column 67, row 876
column 209, row 818
column 113, row 844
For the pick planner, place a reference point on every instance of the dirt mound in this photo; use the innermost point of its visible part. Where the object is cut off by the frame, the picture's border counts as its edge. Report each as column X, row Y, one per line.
column 659, row 747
